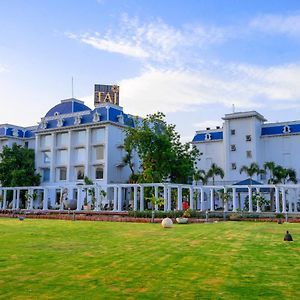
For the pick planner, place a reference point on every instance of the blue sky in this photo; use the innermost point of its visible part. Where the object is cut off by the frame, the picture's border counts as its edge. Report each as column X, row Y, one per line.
column 190, row 59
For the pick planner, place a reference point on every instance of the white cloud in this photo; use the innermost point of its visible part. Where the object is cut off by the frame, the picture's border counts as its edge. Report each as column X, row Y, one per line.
column 3, row 68
column 154, row 41
column 121, row 47
column 287, row 24
column 248, row 87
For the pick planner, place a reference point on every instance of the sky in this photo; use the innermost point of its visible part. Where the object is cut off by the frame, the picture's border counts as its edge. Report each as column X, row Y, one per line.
column 194, row 60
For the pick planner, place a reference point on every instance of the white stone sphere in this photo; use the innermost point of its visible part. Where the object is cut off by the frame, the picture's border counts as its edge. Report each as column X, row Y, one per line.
column 166, row 223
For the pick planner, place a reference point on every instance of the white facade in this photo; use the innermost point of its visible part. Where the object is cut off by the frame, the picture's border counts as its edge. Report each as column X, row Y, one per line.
column 73, row 141
column 245, row 137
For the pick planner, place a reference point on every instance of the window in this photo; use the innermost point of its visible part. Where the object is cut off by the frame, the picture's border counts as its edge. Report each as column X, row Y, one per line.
column 248, row 138
column 62, row 156
column 62, row 173
column 233, row 166
column 80, row 173
column 232, row 147
column 80, row 154
column 62, row 139
column 80, row 137
column 207, row 136
column 26, row 145
column 46, row 175
column 232, row 131
column 46, row 157
column 99, row 173
column 286, row 129
column 98, row 135
column 99, row 152
column 249, row 154
column 45, row 141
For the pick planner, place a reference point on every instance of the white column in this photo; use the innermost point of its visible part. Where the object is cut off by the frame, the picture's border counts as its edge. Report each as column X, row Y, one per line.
column 212, row 205
column 53, row 158
column 29, row 199
column 202, row 199
column 79, row 204
column 257, row 202
column 18, row 200
column 4, row 199
column 179, row 196
column 135, row 198
column 142, row 198
column 97, row 196
column 234, row 204
column 250, row 199
column 198, row 201
column 45, row 199
column 115, row 198
column 283, row 200
column 156, row 196
column 277, row 200
column 120, row 202
column 14, row 199
column 169, row 205
column 225, row 203
column 165, row 198
column 290, row 201
column 191, row 198
column 87, row 152
column 70, row 150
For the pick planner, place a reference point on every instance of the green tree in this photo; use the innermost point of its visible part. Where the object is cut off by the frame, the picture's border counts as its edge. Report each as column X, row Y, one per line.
column 214, row 171
column 17, row 167
column 278, row 174
column 284, row 175
column 269, row 167
column 252, row 170
column 162, row 154
column 200, row 175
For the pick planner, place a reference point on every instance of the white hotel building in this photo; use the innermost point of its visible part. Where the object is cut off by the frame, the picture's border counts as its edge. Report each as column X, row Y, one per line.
column 73, row 141
column 245, row 137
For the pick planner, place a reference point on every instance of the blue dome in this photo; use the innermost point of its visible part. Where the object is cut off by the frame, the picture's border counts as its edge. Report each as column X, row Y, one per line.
column 67, row 106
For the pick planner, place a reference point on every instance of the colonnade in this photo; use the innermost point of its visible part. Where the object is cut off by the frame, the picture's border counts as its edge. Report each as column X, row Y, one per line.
column 116, row 195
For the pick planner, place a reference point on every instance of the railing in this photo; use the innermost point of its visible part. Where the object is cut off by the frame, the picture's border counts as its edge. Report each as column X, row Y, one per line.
column 124, row 197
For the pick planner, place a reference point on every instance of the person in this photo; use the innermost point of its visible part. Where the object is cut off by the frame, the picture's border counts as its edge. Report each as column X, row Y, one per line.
column 288, row 237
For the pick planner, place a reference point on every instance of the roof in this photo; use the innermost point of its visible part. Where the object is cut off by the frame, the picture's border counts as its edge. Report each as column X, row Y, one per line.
column 67, row 106
column 247, row 182
column 246, row 114
column 72, row 112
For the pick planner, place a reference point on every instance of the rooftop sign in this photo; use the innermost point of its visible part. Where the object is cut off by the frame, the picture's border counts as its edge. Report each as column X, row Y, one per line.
column 106, row 93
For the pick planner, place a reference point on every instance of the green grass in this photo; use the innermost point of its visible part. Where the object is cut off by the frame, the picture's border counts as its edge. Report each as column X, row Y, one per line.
column 54, row 259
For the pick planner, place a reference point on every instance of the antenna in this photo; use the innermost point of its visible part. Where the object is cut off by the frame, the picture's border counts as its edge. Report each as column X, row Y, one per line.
column 72, row 87
column 233, row 108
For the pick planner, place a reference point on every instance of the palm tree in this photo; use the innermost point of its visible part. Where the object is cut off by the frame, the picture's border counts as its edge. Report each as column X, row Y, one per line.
column 284, row 175
column 270, row 166
column 252, row 170
column 214, row 171
column 200, row 175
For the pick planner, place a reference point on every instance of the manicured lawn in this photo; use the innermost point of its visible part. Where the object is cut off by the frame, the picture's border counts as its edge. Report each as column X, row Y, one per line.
column 54, row 259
